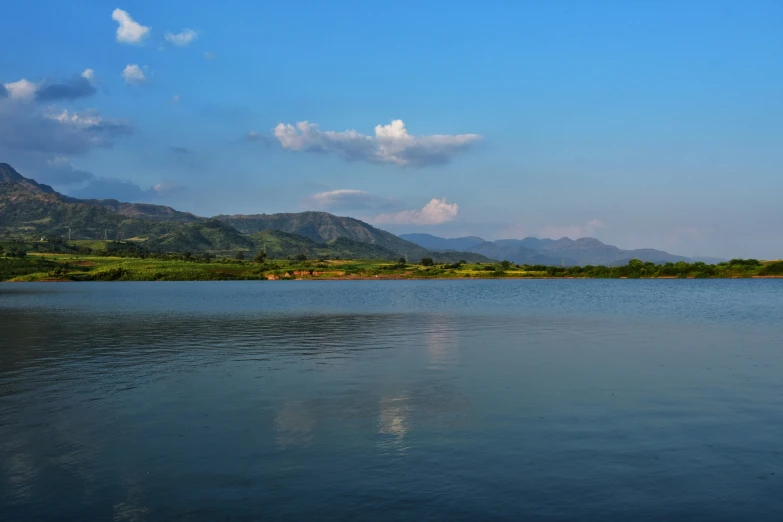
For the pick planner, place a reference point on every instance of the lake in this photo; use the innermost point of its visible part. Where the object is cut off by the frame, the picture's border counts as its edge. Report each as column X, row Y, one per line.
column 608, row 400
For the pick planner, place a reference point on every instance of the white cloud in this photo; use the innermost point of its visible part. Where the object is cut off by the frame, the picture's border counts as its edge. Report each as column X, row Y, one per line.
column 133, row 74
column 210, row 55
column 88, row 75
column 435, row 212
column 129, row 31
column 21, row 90
column 182, row 38
column 391, row 144
column 176, row 98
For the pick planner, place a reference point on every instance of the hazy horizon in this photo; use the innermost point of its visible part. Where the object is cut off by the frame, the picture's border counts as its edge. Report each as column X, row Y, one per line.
column 644, row 125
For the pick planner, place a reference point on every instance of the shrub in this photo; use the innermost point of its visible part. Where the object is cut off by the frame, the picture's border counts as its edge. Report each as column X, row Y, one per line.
column 427, row 261
column 775, row 268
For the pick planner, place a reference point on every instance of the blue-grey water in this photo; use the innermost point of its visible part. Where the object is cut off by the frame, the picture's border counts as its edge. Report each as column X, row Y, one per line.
column 606, row 400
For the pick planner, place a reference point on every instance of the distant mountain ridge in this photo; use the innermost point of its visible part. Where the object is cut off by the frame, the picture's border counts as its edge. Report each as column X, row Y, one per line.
column 28, row 208
column 439, row 243
column 323, row 227
column 532, row 250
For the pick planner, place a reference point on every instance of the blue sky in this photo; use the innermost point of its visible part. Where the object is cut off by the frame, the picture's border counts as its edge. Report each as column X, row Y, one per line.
column 644, row 124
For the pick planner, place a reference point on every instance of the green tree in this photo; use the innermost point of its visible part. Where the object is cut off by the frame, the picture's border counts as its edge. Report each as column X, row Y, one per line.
column 427, row 261
column 239, row 256
column 260, row 257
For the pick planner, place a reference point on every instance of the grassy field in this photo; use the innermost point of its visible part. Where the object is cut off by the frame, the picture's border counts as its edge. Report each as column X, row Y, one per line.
column 37, row 266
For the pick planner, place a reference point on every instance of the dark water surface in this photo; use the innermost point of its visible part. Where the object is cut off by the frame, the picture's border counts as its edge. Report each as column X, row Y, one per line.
column 398, row 400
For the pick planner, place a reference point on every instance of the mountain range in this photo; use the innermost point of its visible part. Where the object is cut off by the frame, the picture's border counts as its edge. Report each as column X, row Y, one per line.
column 30, row 209
column 532, row 250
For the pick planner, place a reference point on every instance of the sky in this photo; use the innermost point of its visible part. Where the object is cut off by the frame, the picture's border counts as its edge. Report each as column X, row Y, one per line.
column 643, row 124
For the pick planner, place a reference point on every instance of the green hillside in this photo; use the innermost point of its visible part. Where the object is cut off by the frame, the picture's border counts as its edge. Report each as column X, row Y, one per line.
column 32, row 211
column 278, row 245
column 202, row 236
column 323, row 227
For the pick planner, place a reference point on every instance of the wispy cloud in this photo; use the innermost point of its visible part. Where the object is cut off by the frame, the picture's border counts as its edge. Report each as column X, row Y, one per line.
column 572, row 231
column 49, row 130
column 133, row 74
column 256, row 137
column 129, row 31
column 167, row 188
column 53, row 169
column 347, row 199
column 435, row 212
column 182, row 38
column 391, row 144
column 124, row 190
column 210, row 55
column 180, row 150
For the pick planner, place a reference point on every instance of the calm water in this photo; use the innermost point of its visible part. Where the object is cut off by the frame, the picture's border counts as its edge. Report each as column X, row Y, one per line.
column 398, row 400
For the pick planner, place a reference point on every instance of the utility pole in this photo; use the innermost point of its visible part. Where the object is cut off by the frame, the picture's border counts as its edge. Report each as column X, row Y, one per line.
column 105, row 234
column 69, row 235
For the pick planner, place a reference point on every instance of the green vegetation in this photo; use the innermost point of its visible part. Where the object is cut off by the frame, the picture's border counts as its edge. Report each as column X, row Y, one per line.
column 113, row 261
column 45, row 235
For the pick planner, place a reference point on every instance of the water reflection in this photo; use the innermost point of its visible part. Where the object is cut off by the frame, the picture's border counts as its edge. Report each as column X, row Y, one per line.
column 387, row 401
column 294, row 424
column 442, row 345
column 393, row 421
column 131, row 509
column 20, row 472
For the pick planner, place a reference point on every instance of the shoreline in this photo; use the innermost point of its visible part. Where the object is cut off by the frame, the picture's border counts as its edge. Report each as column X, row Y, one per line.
column 52, row 268
column 390, row 278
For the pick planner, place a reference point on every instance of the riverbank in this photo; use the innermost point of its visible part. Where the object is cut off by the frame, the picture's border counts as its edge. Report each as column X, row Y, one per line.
column 69, row 267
